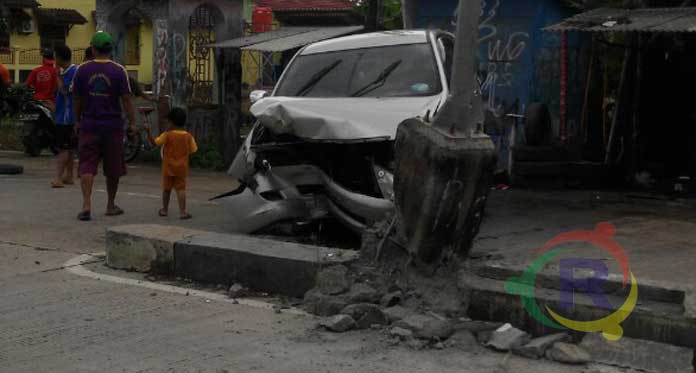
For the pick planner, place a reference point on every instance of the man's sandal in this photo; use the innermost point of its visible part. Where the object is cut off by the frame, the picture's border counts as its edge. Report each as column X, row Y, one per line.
column 84, row 216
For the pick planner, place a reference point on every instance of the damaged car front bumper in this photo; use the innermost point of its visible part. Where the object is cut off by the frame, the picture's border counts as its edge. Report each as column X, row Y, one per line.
column 302, row 194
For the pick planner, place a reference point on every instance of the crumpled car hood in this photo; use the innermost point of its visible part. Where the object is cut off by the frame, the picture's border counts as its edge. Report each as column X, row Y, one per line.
column 340, row 119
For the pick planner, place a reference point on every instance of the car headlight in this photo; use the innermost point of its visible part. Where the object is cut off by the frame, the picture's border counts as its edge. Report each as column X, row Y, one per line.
column 385, row 181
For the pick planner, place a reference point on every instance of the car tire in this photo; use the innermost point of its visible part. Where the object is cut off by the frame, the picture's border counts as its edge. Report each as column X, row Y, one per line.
column 538, row 125
column 11, row 169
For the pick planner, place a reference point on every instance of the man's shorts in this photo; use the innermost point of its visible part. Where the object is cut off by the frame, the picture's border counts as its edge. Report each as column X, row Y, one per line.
column 102, row 146
column 173, row 182
column 65, row 138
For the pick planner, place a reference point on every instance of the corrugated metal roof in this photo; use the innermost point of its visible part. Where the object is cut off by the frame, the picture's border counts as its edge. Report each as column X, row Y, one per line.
column 287, row 38
column 21, row 3
column 261, row 37
column 306, row 5
column 631, row 20
column 59, row 16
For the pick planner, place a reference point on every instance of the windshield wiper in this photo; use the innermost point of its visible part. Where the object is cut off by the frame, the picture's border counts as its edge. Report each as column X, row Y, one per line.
column 316, row 78
column 381, row 79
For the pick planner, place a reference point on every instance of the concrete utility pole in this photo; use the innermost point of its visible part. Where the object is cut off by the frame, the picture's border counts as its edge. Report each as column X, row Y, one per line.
column 444, row 168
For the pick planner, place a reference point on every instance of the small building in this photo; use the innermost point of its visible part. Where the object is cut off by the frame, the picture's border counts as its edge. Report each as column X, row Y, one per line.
column 33, row 26
column 648, row 134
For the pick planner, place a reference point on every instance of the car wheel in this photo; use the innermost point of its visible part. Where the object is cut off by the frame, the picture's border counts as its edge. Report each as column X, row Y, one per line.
column 538, row 125
column 11, row 169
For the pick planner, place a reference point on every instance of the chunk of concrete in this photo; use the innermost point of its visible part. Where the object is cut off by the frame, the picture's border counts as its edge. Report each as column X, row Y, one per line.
column 363, row 293
column 333, row 280
column 339, row 323
column 568, row 353
column 261, row 264
column 507, row 338
column 357, row 310
column 373, row 317
column 396, row 313
column 638, row 354
column 400, row 333
column 426, row 327
column 392, row 299
column 537, row 347
column 320, row 304
column 144, row 247
column 462, row 340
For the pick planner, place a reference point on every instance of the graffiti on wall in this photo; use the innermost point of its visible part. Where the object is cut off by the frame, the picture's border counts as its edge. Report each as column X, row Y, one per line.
column 179, row 70
column 162, row 39
column 502, row 53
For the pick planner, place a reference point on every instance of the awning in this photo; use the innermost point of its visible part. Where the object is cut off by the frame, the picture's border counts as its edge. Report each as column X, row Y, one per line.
column 21, row 3
column 286, row 38
column 57, row 16
column 679, row 19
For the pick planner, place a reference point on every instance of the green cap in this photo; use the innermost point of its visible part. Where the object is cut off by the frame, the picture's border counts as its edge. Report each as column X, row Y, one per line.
column 101, row 40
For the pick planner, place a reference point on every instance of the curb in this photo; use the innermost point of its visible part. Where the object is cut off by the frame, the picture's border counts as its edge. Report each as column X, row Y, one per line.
column 263, row 265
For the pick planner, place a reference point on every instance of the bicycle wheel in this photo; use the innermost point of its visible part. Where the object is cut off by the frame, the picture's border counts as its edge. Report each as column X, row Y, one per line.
column 131, row 147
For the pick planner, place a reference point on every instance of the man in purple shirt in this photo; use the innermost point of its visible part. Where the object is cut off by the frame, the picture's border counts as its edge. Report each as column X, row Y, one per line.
column 102, row 93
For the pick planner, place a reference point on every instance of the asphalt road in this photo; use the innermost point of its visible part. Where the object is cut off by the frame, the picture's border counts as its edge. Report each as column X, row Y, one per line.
column 54, row 320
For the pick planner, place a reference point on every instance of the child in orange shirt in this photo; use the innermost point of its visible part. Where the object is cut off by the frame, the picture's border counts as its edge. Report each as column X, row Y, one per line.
column 177, row 146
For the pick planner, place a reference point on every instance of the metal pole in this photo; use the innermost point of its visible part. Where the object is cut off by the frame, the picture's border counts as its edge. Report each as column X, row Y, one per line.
column 462, row 113
column 564, row 87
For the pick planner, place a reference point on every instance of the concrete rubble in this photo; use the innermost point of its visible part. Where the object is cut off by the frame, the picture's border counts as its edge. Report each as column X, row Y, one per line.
column 507, row 338
column 568, row 353
column 537, row 347
column 339, row 323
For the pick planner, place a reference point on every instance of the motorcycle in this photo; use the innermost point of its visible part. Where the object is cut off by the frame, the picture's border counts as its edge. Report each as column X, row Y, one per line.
column 38, row 129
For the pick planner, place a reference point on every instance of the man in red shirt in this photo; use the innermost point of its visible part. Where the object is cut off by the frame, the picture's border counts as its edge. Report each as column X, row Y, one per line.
column 4, row 75
column 44, row 80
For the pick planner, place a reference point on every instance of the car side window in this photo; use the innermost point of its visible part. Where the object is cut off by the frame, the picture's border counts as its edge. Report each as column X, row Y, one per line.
column 446, row 46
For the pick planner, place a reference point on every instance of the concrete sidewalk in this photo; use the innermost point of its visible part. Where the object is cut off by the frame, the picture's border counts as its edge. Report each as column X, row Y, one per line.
column 658, row 235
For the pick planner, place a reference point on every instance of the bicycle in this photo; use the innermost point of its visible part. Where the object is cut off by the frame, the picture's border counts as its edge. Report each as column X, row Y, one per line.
column 136, row 142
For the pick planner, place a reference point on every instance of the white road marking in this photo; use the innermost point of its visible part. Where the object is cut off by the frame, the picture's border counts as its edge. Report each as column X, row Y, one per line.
column 75, row 266
column 157, row 196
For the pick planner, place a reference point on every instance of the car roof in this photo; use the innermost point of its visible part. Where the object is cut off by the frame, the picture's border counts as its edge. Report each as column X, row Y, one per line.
column 371, row 40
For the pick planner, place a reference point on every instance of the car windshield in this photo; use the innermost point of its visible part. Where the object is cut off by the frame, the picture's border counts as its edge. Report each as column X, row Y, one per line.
column 395, row 71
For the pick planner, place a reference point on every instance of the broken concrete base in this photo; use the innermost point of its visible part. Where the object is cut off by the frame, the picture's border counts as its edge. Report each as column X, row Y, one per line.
column 260, row 264
column 441, row 184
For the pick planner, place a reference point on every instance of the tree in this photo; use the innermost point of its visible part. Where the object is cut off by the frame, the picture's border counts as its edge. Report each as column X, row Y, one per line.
column 380, row 14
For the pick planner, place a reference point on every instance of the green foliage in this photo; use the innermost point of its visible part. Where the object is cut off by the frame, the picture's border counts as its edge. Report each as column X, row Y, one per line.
column 208, row 157
column 388, row 15
column 9, row 135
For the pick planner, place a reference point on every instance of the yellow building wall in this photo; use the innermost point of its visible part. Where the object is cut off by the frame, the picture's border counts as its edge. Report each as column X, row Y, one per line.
column 78, row 39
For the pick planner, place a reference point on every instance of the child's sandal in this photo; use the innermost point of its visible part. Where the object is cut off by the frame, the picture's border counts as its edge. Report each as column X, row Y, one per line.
column 163, row 213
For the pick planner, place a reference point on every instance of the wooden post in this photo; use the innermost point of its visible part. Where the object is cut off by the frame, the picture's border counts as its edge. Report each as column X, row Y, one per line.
column 618, row 107
column 584, row 126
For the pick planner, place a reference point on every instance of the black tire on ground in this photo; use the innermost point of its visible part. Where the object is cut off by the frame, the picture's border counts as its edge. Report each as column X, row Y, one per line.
column 538, row 125
column 11, row 169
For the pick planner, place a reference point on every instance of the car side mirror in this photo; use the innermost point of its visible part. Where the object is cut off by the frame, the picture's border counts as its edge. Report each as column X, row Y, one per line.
column 256, row 96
